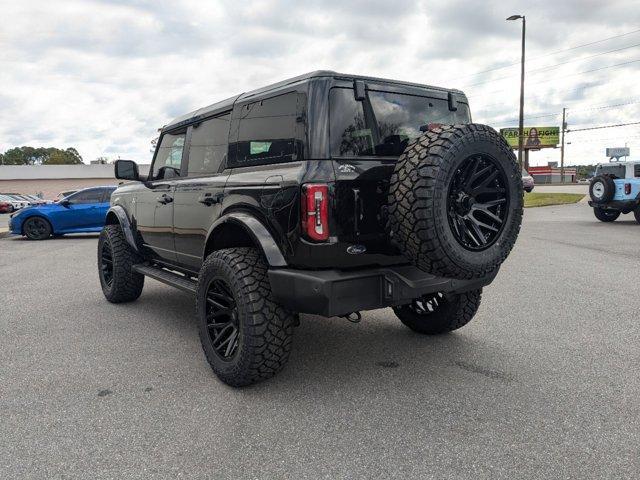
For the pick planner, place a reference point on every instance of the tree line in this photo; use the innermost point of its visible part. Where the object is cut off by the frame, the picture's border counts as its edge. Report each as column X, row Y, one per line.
column 40, row 156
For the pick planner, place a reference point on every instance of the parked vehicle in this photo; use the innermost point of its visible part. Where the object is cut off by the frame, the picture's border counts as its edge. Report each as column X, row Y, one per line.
column 84, row 211
column 527, row 181
column 35, row 200
column 325, row 194
column 615, row 190
column 16, row 202
column 64, row 194
column 6, row 207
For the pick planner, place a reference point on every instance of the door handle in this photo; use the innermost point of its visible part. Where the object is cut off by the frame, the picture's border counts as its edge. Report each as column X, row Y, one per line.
column 164, row 199
column 209, row 199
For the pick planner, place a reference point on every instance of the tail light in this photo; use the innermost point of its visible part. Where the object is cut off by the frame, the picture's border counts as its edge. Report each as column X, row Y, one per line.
column 627, row 189
column 315, row 211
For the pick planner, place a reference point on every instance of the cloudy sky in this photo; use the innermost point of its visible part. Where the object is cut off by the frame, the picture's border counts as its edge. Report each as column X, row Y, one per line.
column 102, row 76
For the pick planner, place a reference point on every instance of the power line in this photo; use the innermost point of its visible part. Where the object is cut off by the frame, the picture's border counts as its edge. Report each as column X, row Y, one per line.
column 565, row 76
column 602, row 126
column 570, row 110
column 550, row 54
column 603, row 107
column 549, row 67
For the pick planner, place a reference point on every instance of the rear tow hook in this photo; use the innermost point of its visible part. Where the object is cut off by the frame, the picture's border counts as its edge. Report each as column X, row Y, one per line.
column 353, row 317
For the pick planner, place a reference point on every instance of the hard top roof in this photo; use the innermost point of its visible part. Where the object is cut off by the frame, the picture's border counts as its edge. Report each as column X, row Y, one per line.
column 227, row 104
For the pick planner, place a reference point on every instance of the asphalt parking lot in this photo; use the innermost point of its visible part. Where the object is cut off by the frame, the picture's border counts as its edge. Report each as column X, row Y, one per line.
column 542, row 384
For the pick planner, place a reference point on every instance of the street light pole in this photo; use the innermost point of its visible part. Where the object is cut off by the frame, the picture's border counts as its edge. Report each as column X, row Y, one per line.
column 521, row 124
column 564, row 132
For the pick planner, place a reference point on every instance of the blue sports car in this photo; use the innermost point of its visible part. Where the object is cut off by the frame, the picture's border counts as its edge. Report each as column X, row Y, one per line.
column 83, row 211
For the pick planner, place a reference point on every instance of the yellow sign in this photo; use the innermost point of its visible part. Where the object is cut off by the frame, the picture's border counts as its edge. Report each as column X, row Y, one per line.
column 534, row 137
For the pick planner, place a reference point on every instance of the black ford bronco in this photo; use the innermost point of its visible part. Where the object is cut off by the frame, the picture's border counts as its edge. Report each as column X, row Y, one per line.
column 324, row 194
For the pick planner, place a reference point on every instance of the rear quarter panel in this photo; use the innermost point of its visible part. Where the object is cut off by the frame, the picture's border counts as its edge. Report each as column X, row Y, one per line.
column 635, row 188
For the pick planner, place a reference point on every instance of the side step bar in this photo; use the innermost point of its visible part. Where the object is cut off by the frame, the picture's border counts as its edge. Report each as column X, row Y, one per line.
column 177, row 280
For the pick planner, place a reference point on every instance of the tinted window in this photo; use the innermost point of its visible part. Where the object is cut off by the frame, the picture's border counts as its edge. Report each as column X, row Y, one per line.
column 382, row 124
column 617, row 171
column 266, row 132
column 208, row 145
column 169, row 157
column 636, row 170
column 87, row 196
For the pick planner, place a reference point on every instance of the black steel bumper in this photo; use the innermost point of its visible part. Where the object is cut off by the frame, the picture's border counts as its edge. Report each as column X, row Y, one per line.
column 336, row 292
column 625, row 206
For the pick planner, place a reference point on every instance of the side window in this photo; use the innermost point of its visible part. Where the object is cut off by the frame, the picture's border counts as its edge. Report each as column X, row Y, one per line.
column 636, row 170
column 349, row 135
column 266, row 132
column 168, row 160
column 87, row 196
column 209, row 144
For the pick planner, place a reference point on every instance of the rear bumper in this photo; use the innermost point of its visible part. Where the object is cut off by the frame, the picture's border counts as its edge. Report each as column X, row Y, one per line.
column 625, row 206
column 336, row 292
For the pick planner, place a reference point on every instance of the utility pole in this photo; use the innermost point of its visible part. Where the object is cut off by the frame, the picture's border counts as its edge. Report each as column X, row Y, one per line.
column 564, row 129
column 521, row 123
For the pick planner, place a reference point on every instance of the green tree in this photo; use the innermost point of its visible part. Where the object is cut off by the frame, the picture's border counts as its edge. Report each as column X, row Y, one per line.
column 41, row 156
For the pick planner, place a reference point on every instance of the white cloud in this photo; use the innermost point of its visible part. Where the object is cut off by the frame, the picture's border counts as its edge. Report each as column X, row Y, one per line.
column 102, row 76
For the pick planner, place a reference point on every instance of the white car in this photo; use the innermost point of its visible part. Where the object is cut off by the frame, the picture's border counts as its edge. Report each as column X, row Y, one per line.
column 16, row 203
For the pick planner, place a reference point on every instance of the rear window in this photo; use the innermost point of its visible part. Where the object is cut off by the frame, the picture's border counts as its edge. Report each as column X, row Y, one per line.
column 617, row 171
column 382, row 124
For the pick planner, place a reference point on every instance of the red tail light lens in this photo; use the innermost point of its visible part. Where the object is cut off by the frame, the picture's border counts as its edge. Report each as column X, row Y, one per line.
column 627, row 189
column 315, row 211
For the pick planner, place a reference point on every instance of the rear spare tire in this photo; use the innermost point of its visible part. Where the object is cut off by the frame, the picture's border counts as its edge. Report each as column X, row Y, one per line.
column 602, row 189
column 455, row 201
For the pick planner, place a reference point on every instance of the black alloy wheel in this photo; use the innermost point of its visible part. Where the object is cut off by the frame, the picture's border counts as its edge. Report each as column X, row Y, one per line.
column 427, row 304
column 478, row 202
column 106, row 263
column 37, row 228
column 437, row 312
column 222, row 319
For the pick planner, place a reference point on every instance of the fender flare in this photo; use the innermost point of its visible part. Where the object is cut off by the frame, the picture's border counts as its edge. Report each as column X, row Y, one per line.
column 257, row 231
column 125, row 224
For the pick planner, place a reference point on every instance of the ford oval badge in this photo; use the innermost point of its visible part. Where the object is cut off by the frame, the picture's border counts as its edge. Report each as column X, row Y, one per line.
column 356, row 249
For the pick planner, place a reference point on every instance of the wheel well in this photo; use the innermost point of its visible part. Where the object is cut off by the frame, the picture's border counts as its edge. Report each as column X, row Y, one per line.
column 229, row 235
column 112, row 219
column 35, row 216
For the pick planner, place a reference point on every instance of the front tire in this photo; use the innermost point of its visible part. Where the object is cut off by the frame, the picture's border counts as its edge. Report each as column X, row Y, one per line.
column 438, row 313
column 245, row 335
column 115, row 261
column 37, row 228
column 636, row 213
column 606, row 215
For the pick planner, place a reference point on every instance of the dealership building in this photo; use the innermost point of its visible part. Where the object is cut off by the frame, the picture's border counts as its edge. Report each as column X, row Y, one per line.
column 49, row 180
column 550, row 174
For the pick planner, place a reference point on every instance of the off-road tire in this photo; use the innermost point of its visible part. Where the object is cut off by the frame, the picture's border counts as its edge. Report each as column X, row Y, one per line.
column 602, row 189
column 636, row 214
column 126, row 285
column 265, row 328
column 418, row 222
column 606, row 215
column 450, row 312
column 42, row 233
